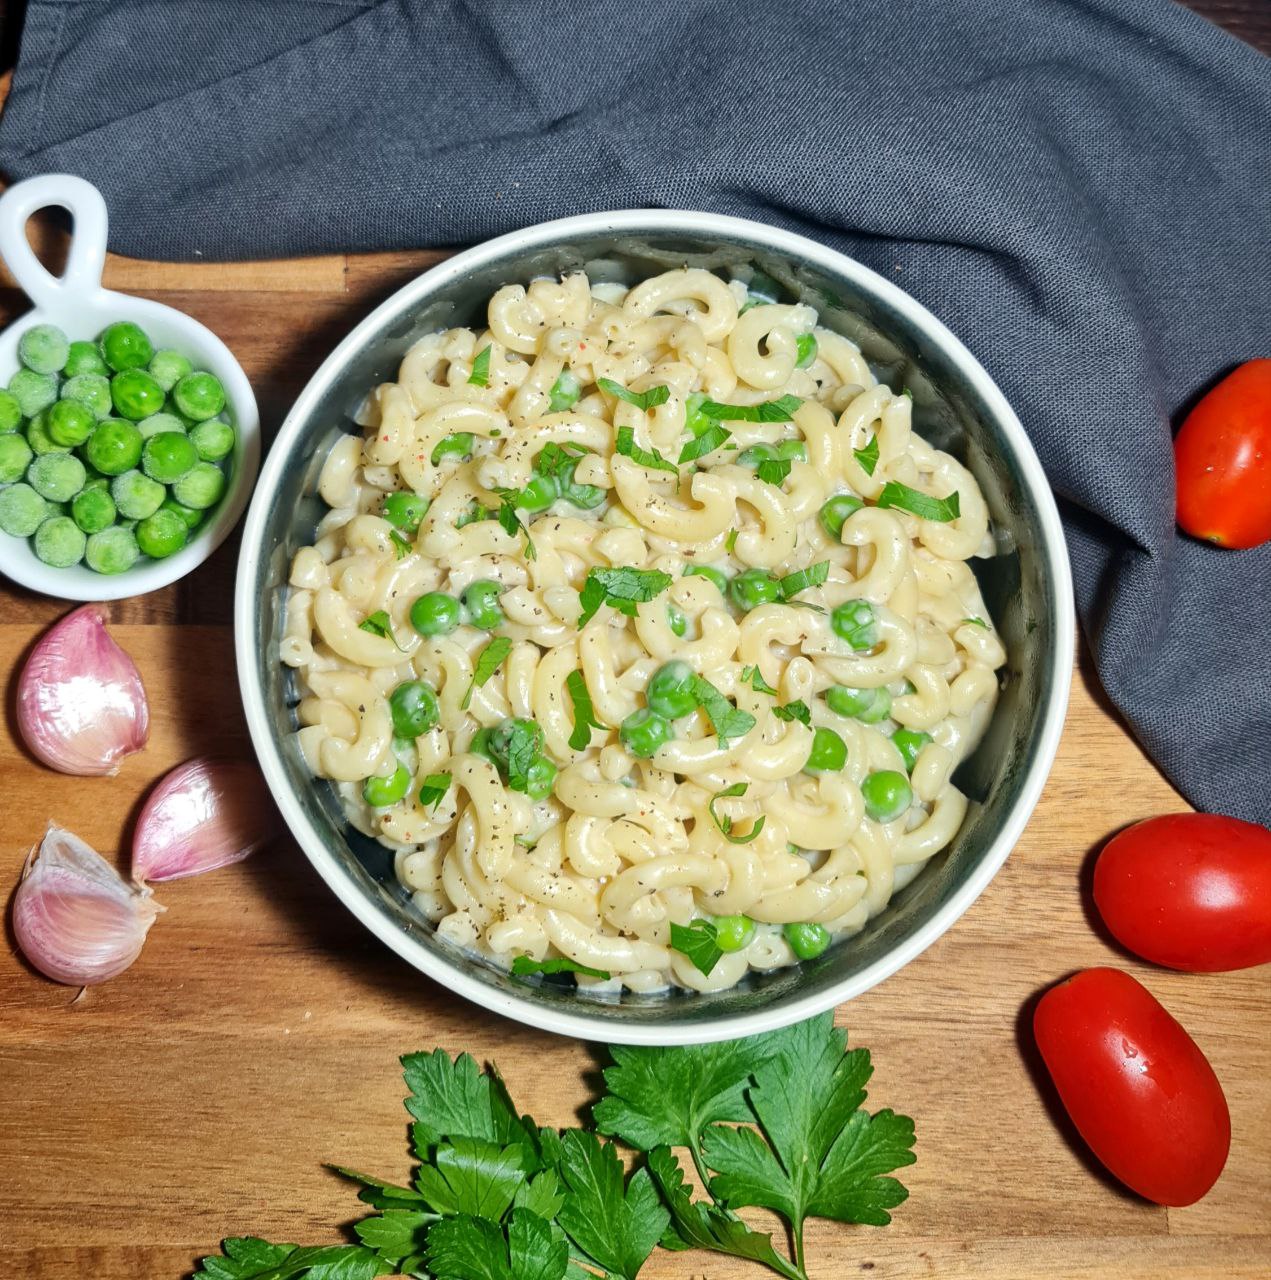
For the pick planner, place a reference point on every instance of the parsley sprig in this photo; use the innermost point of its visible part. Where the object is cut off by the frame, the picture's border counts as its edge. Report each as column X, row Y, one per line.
column 622, row 588
column 775, row 1121
column 920, row 504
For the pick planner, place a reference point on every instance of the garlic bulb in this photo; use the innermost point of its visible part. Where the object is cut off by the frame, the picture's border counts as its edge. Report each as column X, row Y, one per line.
column 205, row 814
column 81, row 704
column 74, row 917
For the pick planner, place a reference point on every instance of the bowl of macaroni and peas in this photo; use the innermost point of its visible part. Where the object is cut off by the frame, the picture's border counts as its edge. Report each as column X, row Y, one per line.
column 655, row 626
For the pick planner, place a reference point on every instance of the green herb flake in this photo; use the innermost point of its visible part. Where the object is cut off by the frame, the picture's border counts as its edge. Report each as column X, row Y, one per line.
column 698, row 942
column 725, row 823
column 480, row 375
column 730, row 542
column 813, row 576
column 584, row 712
column 623, row 588
column 977, row 622
column 774, row 470
column 511, row 523
column 627, row 446
column 727, row 721
column 564, row 393
column 524, row 966
column 920, row 504
column 710, row 440
column 379, row 624
column 868, row 456
column 434, row 788
column 643, row 400
column 797, row 710
column 489, row 660
column 754, row 678
column 779, row 410
column 401, row 545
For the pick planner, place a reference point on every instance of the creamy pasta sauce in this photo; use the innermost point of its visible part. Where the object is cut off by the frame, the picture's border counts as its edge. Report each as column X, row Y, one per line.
column 581, row 747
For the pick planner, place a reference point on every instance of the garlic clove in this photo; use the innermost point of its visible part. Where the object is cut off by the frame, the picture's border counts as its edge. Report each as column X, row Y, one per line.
column 74, row 917
column 203, row 815
column 81, row 704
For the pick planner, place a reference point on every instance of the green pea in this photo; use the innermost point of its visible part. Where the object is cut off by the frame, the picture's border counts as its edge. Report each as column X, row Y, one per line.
column 135, row 394
column 734, row 933
column 828, row 754
column 192, row 518
column 834, row 513
column 481, row 600
column 168, row 367
column 854, row 622
column 33, row 391
column 792, row 451
column 435, row 614
column 68, row 423
column 539, row 494
column 458, row 445
column 168, row 456
column 382, row 792
column 43, row 348
column 403, row 509
column 676, row 621
column 21, row 510
column 201, row 487
column 670, row 691
column 84, row 358
column 711, row 574
column 414, row 708
column 805, row 350
column 59, row 542
column 213, row 439
column 159, row 423
column 113, row 550
column 644, row 731
column 136, row 496
column 807, row 940
column 162, row 534
column 113, row 448
column 93, row 510
column 756, row 454
column 564, row 393
column 910, row 742
column 124, row 345
column 540, row 777
column 90, row 390
column 480, row 745
column 37, row 436
column 57, row 476
column 867, row 705
column 887, row 795
column 15, row 457
column 10, row 412
column 753, row 588
column 585, row 496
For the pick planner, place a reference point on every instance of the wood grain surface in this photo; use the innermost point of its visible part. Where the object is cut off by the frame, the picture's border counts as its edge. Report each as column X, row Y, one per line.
column 198, row 1095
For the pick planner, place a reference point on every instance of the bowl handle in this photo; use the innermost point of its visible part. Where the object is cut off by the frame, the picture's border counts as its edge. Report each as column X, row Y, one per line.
column 87, row 253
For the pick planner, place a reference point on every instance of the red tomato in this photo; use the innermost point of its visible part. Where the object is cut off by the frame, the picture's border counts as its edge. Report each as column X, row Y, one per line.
column 1138, row 1089
column 1190, row 890
column 1222, row 461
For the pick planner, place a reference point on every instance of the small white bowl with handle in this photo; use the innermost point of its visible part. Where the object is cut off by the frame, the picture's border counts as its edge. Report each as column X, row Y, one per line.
column 78, row 305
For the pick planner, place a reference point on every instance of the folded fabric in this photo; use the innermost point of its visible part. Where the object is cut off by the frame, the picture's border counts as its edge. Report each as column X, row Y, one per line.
column 1079, row 188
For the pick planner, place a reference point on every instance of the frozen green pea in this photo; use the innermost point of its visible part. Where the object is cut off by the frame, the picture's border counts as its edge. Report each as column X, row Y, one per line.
column 711, row 574
column 670, row 691
column 21, row 510
column 805, row 350
column 161, row 534
column 539, row 494
column 56, row 476
column 125, row 346
column 887, row 795
column 69, row 423
column 644, row 731
column 828, row 754
column 112, row 550
column 83, row 357
column 90, row 390
column 37, row 435
column 910, row 742
column 201, row 487
column 403, row 509
column 382, row 792
column 114, row 447
column 10, row 412
column 136, row 495
column 414, row 708
column 734, row 933
column 33, row 391
column 168, row 367
column 60, row 542
column 199, row 396
column 807, row 940
column 835, row 511
column 481, row 600
column 93, row 509
column 158, row 422
column 43, row 348
column 792, row 451
column 676, row 620
column 564, row 393
column 753, row 588
column 192, row 518
column 135, row 394
column 15, row 457
column 458, row 445
column 854, row 622
column 540, row 777
column 168, row 456
column 436, row 613
column 214, row 439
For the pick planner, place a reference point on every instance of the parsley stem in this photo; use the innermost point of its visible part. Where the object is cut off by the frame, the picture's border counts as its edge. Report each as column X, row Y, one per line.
column 798, row 1245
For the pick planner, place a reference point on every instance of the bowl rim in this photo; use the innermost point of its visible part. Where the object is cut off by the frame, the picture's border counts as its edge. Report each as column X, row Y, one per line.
column 648, row 1030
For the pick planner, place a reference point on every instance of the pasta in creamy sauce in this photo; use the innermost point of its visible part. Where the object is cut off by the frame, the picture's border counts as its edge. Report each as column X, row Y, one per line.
column 641, row 628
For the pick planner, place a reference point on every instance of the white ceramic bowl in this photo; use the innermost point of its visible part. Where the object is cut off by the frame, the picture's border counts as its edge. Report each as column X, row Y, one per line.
column 1027, row 587
column 79, row 306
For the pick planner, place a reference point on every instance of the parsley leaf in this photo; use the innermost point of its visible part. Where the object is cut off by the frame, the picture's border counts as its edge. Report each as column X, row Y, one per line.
column 627, row 446
column 725, row 823
column 453, row 1099
column 619, row 587
column 250, row 1258
column 813, row 576
column 644, row 400
column 524, row 966
column 473, row 1176
column 467, row 1248
column 731, row 541
column 779, row 410
column 397, row 1236
column 754, row 678
column 797, row 710
column 379, row 624
column 480, row 375
column 401, row 545
column 727, row 721
column 383, row 1195
column 868, row 456
column 707, row 442
column 511, row 523
column 489, row 660
column 923, row 505
column 433, row 790
column 524, row 742
column 699, row 942
column 584, row 712
column 977, row 622
column 774, row 470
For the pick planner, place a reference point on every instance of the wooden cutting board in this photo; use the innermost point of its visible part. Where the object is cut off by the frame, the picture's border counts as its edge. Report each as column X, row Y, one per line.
column 198, row 1095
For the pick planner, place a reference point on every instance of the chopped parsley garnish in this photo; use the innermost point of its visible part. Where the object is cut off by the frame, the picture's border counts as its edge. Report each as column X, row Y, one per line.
column 401, row 545
column 474, row 514
column 622, row 588
column 813, row 576
column 524, row 743
column 725, row 823
column 379, row 624
column 753, row 677
column 797, row 710
column 489, row 660
column 774, row 470
column 727, row 721
column 920, row 504
column 627, row 446
column 868, row 456
column 643, row 400
column 564, row 393
column 699, row 942
column 707, row 442
column 434, row 788
column 779, row 410
column 584, row 713
column 805, row 350
column 511, row 523
column 523, row 966
column 731, row 541
column 977, row 622
column 480, row 375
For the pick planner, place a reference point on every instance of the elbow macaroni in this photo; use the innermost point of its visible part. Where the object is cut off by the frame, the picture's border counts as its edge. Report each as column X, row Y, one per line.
column 624, row 848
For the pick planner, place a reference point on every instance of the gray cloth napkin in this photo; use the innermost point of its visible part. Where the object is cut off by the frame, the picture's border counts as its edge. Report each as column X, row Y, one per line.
column 1079, row 188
